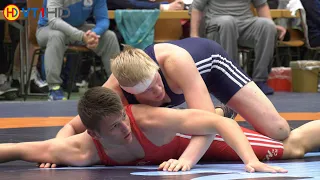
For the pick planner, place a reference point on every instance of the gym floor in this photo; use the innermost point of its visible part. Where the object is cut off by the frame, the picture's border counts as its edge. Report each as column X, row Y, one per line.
column 41, row 120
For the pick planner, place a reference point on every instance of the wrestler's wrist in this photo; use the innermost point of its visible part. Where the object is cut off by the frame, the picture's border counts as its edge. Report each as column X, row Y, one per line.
column 251, row 160
column 187, row 161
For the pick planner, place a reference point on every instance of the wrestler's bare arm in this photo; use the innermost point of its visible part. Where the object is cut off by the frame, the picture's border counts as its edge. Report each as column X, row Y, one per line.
column 199, row 122
column 75, row 126
column 72, row 151
column 180, row 68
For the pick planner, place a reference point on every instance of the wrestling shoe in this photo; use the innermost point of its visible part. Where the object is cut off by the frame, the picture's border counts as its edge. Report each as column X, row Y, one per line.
column 56, row 94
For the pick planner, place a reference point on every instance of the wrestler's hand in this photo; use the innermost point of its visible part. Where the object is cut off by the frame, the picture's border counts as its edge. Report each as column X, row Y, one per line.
column 47, row 165
column 174, row 165
column 258, row 166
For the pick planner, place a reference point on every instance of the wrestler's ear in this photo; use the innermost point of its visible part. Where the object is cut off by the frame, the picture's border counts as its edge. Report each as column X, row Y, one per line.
column 93, row 134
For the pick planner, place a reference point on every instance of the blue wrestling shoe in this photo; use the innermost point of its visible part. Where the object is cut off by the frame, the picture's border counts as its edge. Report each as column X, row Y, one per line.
column 56, row 94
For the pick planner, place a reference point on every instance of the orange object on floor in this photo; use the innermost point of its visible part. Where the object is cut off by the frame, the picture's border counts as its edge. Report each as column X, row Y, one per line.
column 280, row 79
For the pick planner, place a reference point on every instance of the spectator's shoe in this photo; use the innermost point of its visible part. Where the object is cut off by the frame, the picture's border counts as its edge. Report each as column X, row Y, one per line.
column 38, row 86
column 8, row 92
column 227, row 112
column 82, row 83
column 265, row 88
column 15, row 83
column 56, row 94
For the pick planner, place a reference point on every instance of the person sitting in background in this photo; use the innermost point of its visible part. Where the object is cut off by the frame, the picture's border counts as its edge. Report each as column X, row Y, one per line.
column 140, row 4
column 56, row 32
column 231, row 23
column 312, row 8
column 145, row 4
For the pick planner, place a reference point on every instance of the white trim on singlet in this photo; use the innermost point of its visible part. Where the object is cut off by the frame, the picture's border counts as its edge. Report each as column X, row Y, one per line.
column 230, row 69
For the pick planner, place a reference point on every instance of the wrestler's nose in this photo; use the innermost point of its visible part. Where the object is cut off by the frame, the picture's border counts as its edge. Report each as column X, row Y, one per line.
column 125, row 128
column 157, row 90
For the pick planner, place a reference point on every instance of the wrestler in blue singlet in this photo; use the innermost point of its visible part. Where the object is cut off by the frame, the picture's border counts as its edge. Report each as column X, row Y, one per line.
column 222, row 75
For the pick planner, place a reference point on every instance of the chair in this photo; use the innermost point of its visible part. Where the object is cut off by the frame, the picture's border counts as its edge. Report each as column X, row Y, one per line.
column 77, row 50
column 167, row 29
column 296, row 41
column 305, row 30
column 162, row 33
column 246, row 59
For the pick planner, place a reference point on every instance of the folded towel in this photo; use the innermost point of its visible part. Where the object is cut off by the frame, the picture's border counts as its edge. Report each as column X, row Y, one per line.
column 294, row 5
column 137, row 26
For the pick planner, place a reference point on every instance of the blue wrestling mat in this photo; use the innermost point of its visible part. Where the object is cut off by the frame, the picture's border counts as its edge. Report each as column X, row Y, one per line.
column 307, row 168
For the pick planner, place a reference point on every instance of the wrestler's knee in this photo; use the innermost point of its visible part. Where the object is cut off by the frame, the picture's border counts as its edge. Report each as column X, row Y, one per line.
column 293, row 147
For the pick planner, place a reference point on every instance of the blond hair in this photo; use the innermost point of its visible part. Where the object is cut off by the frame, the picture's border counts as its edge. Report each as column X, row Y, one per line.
column 132, row 66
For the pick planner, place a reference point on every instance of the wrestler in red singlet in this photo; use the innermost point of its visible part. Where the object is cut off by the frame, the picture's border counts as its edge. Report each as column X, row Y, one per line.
column 264, row 147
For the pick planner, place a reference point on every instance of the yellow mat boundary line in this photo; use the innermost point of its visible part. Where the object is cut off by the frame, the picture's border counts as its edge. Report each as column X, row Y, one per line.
column 23, row 122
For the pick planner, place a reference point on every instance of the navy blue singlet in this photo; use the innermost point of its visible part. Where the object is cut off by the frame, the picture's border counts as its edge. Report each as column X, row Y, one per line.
column 222, row 76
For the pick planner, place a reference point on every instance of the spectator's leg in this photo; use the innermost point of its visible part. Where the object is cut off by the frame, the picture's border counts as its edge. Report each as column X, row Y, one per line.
column 224, row 30
column 107, row 48
column 260, row 34
column 55, row 43
column 315, row 42
column 2, row 60
column 15, row 38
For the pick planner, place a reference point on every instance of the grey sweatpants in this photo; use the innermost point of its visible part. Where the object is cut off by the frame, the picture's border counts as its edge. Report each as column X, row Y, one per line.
column 56, row 44
column 256, row 32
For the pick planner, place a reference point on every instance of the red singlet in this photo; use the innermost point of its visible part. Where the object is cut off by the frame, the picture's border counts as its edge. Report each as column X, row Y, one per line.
column 264, row 147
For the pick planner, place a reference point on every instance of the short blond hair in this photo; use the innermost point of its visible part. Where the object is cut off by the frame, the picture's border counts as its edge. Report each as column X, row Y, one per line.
column 132, row 66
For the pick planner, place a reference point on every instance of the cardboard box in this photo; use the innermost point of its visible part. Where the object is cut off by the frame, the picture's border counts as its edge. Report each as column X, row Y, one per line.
column 305, row 76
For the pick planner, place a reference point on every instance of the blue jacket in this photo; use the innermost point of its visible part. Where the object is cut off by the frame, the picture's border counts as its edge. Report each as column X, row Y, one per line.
column 79, row 11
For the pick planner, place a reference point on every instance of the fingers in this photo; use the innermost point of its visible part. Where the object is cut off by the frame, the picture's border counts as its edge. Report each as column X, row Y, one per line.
column 279, row 169
column 41, row 165
column 93, row 40
column 88, row 33
column 174, row 165
column 161, row 166
column 167, row 165
column 92, row 43
column 264, row 168
column 282, row 31
column 92, row 46
column 47, row 165
column 185, row 168
column 177, row 168
column 249, row 169
column 92, row 34
column 282, row 34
